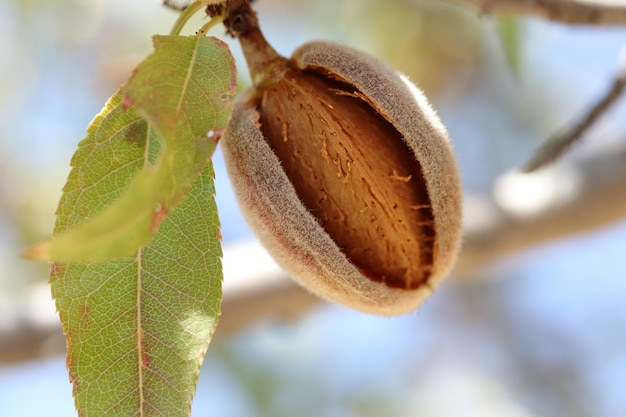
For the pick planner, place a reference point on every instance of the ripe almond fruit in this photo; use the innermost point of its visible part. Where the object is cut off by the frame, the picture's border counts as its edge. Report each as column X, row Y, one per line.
column 344, row 172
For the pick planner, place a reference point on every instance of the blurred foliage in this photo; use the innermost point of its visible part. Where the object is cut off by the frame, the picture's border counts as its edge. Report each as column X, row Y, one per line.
column 430, row 41
column 510, row 35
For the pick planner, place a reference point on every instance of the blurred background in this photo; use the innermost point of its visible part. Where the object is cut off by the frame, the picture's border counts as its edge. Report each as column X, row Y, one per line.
column 541, row 333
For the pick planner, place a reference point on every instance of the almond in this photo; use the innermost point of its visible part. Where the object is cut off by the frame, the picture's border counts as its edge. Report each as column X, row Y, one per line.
column 344, row 172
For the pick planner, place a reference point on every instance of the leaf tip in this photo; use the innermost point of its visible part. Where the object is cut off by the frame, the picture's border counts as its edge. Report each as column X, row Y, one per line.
column 38, row 252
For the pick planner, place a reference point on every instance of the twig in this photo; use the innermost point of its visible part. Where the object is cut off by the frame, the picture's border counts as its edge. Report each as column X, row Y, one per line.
column 589, row 12
column 559, row 143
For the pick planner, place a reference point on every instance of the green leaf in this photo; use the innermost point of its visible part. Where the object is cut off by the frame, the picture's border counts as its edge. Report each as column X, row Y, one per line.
column 509, row 30
column 137, row 328
column 182, row 91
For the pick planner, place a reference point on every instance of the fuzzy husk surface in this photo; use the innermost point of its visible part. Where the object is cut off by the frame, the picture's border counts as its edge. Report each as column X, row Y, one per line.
column 413, row 225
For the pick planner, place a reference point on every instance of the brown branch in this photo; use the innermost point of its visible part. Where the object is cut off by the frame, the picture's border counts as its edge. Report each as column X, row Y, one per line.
column 557, row 145
column 557, row 202
column 588, row 12
column 568, row 199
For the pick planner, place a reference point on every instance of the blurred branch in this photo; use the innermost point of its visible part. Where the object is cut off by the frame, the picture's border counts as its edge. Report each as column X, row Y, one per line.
column 522, row 211
column 558, row 144
column 525, row 210
column 590, row 12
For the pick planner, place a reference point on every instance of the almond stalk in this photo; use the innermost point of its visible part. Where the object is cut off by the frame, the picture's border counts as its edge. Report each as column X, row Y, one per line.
column 344, row 172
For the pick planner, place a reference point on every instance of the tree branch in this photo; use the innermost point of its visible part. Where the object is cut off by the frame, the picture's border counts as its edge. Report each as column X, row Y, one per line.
column 525, row 210
column 587, row 12
column 522, row 210
column 557, row 145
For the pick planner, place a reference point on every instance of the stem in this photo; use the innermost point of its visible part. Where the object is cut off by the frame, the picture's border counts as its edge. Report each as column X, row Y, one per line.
column 184, row 17
column 264, row 63
column 207, row 26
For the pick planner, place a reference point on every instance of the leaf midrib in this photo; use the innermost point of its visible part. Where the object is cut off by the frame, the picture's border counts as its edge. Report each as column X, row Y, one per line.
column 187, row 77
column 140, row 366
